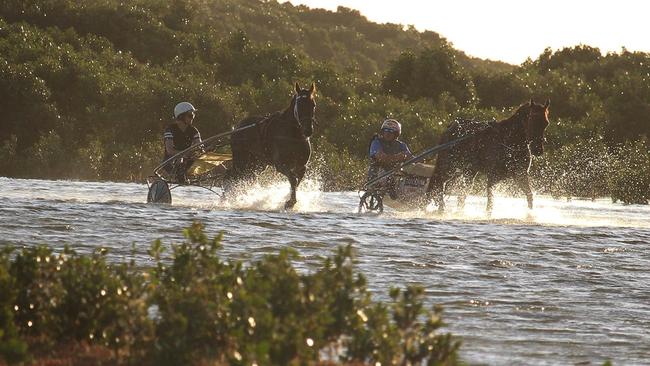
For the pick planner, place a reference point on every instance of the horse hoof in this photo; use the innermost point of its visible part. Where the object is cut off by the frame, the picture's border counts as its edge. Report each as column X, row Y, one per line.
column 289, row 204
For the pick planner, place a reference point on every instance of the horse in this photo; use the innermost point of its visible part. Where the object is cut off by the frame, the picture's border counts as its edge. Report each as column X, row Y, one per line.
column 280, row 140
column 500, row 149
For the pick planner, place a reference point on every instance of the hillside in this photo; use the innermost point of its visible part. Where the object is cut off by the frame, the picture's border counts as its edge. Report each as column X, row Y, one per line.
column 158, row 31
column 91, row 85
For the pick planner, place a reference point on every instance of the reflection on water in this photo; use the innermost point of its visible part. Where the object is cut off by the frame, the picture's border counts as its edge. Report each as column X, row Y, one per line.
column 566, row 283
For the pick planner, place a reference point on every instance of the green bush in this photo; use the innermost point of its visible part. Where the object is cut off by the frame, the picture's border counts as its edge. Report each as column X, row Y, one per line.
column 12, row 348
column 592, row 169
column 581, row 169
column 629, row 181
column 68, row 297
column 194, row 308
column 268, row 313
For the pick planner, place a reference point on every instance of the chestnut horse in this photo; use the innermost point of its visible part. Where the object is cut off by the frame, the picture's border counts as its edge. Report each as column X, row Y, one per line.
column 280, row 140
column 499, row 149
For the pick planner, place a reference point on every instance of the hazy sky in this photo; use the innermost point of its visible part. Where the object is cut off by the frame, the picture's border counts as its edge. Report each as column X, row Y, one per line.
column 511, row 30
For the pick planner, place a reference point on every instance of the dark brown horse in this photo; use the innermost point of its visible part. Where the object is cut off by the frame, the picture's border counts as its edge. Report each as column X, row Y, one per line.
column 280, row 139
column 499, row 149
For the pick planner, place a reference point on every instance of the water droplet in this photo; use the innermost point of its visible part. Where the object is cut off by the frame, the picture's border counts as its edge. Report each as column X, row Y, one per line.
column 31, row 306
column 38, row 259
column 362, row 315
column 237, row 356
column 310, row 342
column 16, row 307
column 251, row 321
column 103, row 292
column 229, row 295
column 29, row 323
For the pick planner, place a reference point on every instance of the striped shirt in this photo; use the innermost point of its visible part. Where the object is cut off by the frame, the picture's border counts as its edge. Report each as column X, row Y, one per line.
column 182, row 139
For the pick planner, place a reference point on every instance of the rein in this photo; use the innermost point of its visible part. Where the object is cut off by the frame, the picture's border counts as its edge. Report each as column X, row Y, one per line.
column 296, row 114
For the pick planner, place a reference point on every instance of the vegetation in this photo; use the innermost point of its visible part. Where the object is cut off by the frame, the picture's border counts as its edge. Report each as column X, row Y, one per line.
column 87, row 87
column 191, row 307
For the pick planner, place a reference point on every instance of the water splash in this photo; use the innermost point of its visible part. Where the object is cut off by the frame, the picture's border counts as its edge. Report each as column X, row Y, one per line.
column 271, row 196
column 547, row 211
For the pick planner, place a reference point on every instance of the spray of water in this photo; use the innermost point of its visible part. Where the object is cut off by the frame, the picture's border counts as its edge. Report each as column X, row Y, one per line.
column 271, row 196
column 509, row 209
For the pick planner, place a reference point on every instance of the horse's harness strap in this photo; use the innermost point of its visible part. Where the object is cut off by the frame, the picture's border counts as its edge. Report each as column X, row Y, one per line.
column 264, row 127
column 295, row 109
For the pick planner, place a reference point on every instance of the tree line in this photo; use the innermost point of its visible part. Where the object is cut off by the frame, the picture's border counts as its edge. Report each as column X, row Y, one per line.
column 87, row 89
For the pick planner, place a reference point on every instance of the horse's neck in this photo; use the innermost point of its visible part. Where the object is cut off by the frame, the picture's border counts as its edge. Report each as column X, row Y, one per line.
column 286, row 122
column 512, row 131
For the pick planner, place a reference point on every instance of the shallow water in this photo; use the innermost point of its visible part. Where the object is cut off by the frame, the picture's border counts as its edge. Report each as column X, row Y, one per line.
column 565, row 284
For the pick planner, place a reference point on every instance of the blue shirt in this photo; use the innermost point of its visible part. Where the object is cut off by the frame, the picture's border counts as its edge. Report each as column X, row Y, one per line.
column 376, row 147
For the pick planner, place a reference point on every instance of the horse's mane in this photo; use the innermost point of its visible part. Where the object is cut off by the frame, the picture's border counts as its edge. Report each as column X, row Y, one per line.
column 516, row 116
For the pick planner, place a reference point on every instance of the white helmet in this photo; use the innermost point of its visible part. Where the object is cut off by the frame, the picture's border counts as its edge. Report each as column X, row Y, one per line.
column 183, row 107
column 391, row 125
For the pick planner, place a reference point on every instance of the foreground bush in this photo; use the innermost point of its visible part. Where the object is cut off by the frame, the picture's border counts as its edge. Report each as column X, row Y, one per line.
column 194, row 308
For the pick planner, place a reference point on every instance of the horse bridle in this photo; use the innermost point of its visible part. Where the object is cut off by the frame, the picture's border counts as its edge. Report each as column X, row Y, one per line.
column 541, row 138
column 296, row 114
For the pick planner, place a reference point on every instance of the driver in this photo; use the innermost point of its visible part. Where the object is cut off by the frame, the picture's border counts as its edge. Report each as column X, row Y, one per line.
column 180, row 135
column 386, row 151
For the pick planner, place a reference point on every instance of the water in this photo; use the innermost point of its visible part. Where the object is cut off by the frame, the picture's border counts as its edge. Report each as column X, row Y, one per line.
column 565, row 284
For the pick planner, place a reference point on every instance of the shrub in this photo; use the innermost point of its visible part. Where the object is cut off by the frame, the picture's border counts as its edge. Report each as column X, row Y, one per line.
column 12, row 348
column 194, row 308
column 268, row 313
column 630, row 178
column 68, row 297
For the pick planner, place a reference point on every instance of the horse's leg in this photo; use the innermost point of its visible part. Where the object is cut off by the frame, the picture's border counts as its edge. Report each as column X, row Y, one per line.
column 490, row 194
column 436, row 187
column 523, row 182
column 293, row 181
column 436, row 190
column 466, row 183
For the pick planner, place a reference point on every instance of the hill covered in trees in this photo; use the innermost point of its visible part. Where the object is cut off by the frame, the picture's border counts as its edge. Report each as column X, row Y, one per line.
column 87, row 87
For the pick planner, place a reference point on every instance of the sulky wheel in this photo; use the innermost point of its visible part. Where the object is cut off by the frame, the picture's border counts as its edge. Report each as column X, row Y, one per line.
column 159, row 192
column 371, row 202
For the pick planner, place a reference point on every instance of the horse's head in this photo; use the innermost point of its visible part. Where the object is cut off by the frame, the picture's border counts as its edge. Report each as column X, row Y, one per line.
column 304, row 108
column 535, row 124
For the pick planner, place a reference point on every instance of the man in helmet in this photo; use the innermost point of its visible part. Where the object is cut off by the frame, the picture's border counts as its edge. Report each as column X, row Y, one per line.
column 386, row 151
column 180, row 135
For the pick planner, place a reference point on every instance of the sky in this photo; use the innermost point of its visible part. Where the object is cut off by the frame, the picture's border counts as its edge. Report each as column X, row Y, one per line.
column 511, row 30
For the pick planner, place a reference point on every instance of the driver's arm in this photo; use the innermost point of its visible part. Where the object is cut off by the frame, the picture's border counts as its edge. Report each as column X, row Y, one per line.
column 169, row 147
column 382, row 157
